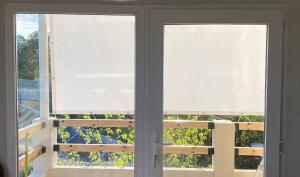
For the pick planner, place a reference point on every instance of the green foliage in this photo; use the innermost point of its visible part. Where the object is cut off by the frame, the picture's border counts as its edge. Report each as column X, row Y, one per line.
column 27, row 53
column 187, row 161
column 188, row 136
column 175, row 136
column 29, row 170
column 64, row 135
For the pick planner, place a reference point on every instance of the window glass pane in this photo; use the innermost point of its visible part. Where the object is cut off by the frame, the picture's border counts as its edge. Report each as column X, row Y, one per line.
column 28, row 85
column 79, row 71
column 213, row 73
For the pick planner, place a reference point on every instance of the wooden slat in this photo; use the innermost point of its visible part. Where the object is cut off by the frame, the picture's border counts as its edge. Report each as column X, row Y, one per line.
column 250, row 126
column 35, row 127
column 124, row 123
column 31, row 155
column 96, row 147
column 95, row 122
column 186, row 124
column 250, row 151
column 172, row 149
column 130, row 148
column 128, row 123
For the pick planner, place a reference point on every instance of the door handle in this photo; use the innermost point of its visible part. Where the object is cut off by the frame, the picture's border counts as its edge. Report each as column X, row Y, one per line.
column 156, row 148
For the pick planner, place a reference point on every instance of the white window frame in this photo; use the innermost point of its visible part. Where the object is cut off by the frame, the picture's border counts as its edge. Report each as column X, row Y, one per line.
column 274, row 21
column 11, row 71
column 149, row 85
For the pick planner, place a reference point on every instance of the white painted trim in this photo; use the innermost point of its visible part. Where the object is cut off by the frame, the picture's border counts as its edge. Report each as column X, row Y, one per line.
column 273, row 96
column 11, row 10
column 43, row 138
column 139, row 158
column 271, row 17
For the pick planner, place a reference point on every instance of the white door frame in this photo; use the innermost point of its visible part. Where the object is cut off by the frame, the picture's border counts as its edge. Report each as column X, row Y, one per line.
column 11, row 85
column 272, row 18
column 149, row 84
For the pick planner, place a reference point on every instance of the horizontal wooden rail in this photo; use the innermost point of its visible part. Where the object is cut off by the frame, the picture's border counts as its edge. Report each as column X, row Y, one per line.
column 129, row 123
column 125, row 123
column 259, row 126
column 35, row 127
column 130, row 148
column 93, row 123
column 188, row 124
column 249, row 151
column 172, row 149
column 94, row 147
column 32, row 155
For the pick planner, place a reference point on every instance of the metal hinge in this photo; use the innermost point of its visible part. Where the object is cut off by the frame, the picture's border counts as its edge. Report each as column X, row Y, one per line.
column 281, row 147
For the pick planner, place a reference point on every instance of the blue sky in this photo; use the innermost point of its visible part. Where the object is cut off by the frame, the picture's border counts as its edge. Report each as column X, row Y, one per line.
column 26, row 24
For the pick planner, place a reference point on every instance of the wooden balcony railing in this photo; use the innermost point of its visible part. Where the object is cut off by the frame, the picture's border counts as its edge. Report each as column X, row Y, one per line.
column 35, row 127
column 172, row 149
column 249, row 151
column 222, row 148
column 121, row 123
column 32, row 155
column 258, row 126
column 29, row 156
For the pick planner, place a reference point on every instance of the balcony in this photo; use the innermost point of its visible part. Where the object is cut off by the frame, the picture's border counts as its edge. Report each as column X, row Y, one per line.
column 222, row 149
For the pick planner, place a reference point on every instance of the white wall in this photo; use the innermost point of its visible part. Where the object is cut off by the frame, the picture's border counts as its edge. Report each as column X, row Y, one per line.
column 291, row 82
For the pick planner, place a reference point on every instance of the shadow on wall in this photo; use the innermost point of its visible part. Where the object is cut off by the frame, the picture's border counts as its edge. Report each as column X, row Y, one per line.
column 1, row 171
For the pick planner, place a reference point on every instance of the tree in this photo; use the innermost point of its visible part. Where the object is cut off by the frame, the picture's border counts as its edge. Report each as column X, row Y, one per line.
column 27, row 56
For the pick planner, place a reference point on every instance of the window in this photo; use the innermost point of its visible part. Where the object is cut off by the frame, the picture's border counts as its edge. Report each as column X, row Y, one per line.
column 111, row 97
column 85, row 83
column 214, row 73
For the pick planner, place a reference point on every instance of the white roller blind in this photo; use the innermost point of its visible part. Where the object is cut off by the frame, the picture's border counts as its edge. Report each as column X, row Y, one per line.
column 93, row 58
column 208, row 69
column 214, row 69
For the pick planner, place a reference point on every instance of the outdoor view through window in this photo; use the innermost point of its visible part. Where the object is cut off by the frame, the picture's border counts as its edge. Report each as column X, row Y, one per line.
column 76, row 95
column 214, row 73
column 69, row 72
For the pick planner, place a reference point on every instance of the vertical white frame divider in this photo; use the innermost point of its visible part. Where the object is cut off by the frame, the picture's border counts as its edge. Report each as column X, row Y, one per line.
column 11, row 73
column 273, row 18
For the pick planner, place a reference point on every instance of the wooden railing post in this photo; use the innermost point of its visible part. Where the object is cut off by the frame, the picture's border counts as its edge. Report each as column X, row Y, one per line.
column 223, row 142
